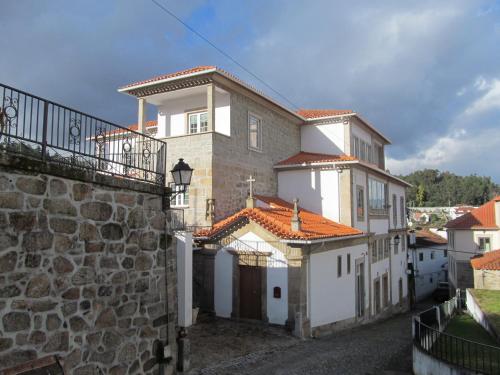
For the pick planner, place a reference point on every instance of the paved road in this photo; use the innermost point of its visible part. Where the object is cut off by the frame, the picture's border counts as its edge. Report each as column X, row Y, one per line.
column 379, row 348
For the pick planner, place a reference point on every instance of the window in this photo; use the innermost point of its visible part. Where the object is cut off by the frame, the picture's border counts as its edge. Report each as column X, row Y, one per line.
column 348, row 263
column 385, row 286
column 360, row 202
column 396, row 247
column 198, row 122
column 374, row 252
column 339, row 266
column 432, row 254
column 394, row 210
column 380, row 246
column 387, row 248
column 254, row 132
column 181, row 199
column 484, row 243
column 355, row 146
column 402, row 208
column 451, row 239
column 378, row 155
column 430, row 280
column 377, row 196
column 445, row 253
column 421, row 257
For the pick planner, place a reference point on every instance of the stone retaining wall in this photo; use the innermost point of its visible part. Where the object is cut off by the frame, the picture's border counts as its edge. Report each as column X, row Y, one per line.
column 82, row 274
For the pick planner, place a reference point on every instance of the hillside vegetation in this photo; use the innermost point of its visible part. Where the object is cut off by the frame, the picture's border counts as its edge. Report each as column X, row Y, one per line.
column 433, row 188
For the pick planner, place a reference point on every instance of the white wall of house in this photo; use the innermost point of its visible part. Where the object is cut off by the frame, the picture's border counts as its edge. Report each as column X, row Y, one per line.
column 378, row 269
column 172, row 114
column 323, row 139
column 333, row 298
column 277, row 276
column 429, row 271
column 359, row 131
column 317, row 190
column 399, row 265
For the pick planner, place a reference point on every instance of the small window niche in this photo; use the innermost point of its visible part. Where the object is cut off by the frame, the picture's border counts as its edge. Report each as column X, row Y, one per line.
column 277, row 292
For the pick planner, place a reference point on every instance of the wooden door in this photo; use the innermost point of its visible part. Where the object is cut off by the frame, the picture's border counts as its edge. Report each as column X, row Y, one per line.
column 250, row 293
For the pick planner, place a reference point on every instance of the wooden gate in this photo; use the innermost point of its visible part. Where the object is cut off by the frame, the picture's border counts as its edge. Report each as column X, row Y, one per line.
column 250, row 292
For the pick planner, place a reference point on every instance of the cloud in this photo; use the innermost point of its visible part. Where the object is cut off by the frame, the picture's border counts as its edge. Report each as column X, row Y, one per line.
column 490, row 100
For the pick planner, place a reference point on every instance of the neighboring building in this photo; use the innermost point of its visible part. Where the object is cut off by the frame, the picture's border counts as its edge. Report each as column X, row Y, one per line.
column 333, row 161
column 487, row 270
column 429, row 258
column 474, row 233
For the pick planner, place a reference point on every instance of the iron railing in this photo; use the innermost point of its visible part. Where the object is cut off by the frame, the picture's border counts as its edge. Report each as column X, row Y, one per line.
column 41, row 129
column 481, row 358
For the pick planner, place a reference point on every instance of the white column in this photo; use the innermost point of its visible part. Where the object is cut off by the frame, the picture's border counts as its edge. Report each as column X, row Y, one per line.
column 141, row 114
column 185, row 278
column 211, row 106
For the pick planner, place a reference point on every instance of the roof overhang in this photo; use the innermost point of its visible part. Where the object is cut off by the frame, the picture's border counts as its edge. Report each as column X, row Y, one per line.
column 325, row 239
column 340, row 165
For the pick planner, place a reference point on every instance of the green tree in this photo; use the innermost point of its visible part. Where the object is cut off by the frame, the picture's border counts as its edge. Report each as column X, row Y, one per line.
column 420, row 196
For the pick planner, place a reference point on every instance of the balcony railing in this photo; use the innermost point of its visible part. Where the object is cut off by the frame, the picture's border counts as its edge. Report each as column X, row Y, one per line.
column 41, row 129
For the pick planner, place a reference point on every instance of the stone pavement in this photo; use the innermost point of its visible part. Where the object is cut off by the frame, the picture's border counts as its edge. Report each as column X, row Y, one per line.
column 229, row 348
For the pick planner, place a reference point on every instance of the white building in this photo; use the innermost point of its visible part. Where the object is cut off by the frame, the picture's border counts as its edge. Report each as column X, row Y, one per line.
column 474, row 233
column 429, row 258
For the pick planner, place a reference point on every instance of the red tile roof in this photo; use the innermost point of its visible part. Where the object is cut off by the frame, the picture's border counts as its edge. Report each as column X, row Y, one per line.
column 479, row 218
column 134, row 127
column 487, row 261
column 318, row 113
column 311, row 157
column 277, row 220
column 426, row 237
column 184, row 72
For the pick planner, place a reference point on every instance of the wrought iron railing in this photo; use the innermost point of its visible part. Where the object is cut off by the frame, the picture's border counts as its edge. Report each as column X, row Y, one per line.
column 481, row 358
column 39, row 128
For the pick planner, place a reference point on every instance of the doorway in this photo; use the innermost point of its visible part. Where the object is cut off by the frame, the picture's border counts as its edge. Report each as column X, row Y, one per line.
column 250, row 292
column 360, row 288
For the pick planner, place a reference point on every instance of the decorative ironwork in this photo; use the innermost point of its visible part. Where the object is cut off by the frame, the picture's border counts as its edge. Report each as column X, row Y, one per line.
column 58, row 134
column 75, row 131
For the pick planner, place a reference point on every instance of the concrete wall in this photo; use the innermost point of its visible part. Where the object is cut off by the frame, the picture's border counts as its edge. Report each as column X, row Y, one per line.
column 317, row 190
column 425, row 364
column 479, row 316
column 429, row 272
column 87, row 273
column 323, row 138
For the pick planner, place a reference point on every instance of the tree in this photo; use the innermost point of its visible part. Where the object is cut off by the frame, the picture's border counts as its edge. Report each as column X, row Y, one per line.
column 420, row 196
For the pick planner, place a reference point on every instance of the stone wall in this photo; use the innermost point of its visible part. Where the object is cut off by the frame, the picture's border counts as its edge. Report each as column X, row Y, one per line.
column 487, row 279
column 82, row 274
column 233, row 162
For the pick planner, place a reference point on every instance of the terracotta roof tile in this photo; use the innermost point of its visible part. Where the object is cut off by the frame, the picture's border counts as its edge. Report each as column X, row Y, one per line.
column 310, row 157
column 135, row 127
column 319, row 113
column 481, row 217
column 487, row 261
column 426, row 237
column 277, row 220
column 196, row 69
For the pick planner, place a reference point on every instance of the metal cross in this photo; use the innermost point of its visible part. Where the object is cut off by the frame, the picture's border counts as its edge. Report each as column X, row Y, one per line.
column 251, row 180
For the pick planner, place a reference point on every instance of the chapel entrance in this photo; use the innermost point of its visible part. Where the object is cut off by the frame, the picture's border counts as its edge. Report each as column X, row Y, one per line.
column 250, row 292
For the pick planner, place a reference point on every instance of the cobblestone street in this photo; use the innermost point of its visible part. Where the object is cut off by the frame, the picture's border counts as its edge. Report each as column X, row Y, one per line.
column 223, row 347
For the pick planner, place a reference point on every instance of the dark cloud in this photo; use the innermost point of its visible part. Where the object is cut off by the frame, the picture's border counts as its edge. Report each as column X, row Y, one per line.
column 411, row 67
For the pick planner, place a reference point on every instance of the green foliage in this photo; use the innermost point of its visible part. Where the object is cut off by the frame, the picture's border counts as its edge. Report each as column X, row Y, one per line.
column 433, row 188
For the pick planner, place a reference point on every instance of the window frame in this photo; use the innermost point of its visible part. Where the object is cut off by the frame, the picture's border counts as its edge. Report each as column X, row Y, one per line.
column 348, row 266
column 339, row 266
column 259, row 147
column 373, row 188
column 394, row 210
column 479, row 238
column 198, row 114
column 360, row 209
column 402, row 210
column 179, row 200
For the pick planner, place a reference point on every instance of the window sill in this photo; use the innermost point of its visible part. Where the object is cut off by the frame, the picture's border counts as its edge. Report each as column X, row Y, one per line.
column 181, row 206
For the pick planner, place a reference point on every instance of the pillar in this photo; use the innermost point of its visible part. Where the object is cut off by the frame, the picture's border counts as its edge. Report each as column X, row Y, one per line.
column 211, row 106
column 141, row 114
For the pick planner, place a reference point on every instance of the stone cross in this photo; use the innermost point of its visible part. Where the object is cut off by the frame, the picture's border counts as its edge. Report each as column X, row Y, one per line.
column 251, row 180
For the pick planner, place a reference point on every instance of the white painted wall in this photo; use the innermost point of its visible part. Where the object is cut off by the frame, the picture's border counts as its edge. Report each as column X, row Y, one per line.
column 429, row 272
column 317, row 190
column 223, row 284
column 332, row 298
column 172, row 120
column 184, row 249
column 323, row 139
column 277, row 276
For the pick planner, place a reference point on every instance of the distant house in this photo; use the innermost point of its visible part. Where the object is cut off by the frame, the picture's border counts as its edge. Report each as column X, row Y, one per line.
column 429, row 257
column 487, row 270
column 475, row 233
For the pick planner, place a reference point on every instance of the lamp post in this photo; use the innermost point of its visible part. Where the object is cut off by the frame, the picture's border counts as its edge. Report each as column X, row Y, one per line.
column 397, row 239
column 181, row 174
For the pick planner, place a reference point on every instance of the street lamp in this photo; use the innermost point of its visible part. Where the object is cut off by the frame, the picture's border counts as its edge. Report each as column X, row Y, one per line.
column 397, row 239
column 181, row 174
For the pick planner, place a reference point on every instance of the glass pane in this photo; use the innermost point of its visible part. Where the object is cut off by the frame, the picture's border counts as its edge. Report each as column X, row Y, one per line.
column 193, row 123
column 203, row 122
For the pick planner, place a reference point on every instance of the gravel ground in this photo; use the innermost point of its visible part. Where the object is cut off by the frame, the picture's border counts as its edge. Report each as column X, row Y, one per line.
column 224, row 347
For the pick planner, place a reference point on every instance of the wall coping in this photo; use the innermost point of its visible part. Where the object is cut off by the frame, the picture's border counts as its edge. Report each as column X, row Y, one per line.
column 27, row 164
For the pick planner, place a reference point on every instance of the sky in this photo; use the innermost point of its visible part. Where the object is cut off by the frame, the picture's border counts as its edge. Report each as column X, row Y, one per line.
column 426, row 73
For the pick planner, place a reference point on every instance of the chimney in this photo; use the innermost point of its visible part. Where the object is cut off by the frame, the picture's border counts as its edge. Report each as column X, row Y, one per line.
column 497, row 210
column 295, row 216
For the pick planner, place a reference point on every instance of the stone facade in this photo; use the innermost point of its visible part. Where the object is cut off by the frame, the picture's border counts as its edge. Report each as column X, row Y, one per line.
column 487, row 279
column 87, row 274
